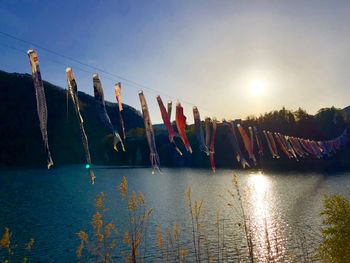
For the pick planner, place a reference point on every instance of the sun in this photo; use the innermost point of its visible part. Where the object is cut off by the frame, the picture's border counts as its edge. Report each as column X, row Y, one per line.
column 256, row 88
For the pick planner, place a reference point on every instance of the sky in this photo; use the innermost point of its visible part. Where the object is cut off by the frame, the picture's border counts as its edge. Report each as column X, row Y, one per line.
column 231, row 59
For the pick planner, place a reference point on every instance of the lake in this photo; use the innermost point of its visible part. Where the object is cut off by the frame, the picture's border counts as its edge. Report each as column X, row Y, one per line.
column 53, row 205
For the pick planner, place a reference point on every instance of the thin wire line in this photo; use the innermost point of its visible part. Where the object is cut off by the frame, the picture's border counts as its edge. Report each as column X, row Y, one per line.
column 131, row 82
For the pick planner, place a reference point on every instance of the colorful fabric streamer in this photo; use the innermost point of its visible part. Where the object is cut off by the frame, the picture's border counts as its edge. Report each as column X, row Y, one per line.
column 296, row 147
column 73, row 92
column 258, row 142
column 154, row 158
column 273, row 144
column 40, row 102
column 207, row 125
column 199, row 131
column 170, row 106
column 281, row 145
column 269, row 144
column 118, row 91
column 230, row 131
column 247, row 144
column 212, row 146
column 165, row 116
column 102, row 112
column 251, row 137
column 181, row 125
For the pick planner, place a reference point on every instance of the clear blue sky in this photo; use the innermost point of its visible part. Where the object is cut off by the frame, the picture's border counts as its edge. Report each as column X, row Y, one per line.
column 209, row 53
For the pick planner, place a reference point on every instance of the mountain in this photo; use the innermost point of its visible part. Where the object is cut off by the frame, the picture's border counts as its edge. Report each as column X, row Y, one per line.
column 20, row 137
column 347, row 111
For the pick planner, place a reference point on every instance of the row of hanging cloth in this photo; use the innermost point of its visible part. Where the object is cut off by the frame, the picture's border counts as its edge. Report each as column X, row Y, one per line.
column 72, row 93
column 246, row 143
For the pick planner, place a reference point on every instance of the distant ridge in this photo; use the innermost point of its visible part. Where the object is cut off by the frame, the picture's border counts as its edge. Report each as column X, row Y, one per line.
column 347, row 111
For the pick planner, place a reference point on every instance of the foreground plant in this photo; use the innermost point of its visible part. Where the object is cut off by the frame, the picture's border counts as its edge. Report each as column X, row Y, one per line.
column 138, row 218
column 104, row 237
column 6, row 245
column 335, row 246
column 168, row 245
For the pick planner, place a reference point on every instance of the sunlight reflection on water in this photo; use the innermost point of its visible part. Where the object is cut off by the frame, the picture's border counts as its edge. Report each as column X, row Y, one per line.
column 264, row 222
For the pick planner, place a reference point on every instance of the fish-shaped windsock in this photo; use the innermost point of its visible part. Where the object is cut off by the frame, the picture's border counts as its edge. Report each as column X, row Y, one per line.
column 295, row 146
column 282, row 146
column 323, row 148
column 288, row 146
column 167, row 123
column 170, row 107
column 251, row 133
column 316, row 149
column 269, row 144
column 273, row 144
column 307, row 147
column 212, row 147
column 40, row 102
column 118, row 91
column 199, row 131
column 154, row 158
column 207, row 125
column 229, row 128
column 181, row 126
column 258, row 142
column 247, row 144
column 73, row 92
column 302, row 149
column 102, row 112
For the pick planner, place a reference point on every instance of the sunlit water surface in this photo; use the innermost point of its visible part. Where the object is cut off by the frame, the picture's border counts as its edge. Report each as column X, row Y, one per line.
column 282, row 208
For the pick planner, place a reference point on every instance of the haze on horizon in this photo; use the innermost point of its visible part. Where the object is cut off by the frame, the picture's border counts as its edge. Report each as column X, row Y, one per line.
column 230, row 58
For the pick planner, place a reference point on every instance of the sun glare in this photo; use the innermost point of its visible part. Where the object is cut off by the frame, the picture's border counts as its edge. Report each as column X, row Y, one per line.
column 256, row 88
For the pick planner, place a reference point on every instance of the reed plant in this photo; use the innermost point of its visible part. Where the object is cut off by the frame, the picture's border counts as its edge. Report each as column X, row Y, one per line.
column 138, row 216
column 103, row 240
column 8, row 247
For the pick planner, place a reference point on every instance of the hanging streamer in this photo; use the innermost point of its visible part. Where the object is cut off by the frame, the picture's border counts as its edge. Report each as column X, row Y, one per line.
column 102, row 112
column 317, row 149
column 269, row 145
column 230, row 131
column 207, row 132
column 212, row 147
column 288, row 146
column 247, row 144
column 117, row 91
column 199, row 131
column 273, row 144
column 307, row 147
column 167, row 123
column 181, row 125
column 73, row 92
column 281, row 145
column 323, row 148
column 258, row 142
column 170, row 106
column 40, row 102
column 296, row 147
column 251, row 134
column 154, row 158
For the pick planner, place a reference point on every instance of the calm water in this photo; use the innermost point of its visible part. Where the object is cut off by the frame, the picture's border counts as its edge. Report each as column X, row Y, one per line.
column 52, row 206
